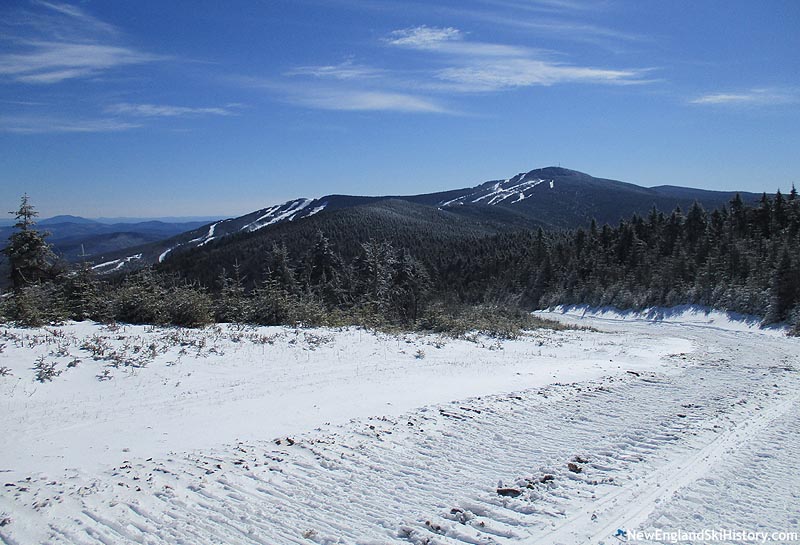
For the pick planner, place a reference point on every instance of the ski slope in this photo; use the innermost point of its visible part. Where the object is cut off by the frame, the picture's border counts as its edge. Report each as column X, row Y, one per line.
column 280, row 436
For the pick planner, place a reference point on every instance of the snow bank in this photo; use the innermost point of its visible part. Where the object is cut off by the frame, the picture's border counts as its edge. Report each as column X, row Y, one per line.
column 686, row 315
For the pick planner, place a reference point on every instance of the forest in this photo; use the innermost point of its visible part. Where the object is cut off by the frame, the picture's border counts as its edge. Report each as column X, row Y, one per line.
column 371, row 270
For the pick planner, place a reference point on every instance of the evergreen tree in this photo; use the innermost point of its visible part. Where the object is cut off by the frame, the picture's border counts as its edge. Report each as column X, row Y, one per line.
column 325, row 271
column 695, row 224
column 188, row 305
column 231, row 305
column 141, row 299
column 783, row 290
column 82, row 293
column 29, row 255
column 375, row 272
column 412, row 284
column 279, row 268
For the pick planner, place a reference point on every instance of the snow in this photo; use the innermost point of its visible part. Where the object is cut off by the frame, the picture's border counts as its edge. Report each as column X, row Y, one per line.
column 444, row 204
column 317, row 209
column 275, row 214
column 351, row 373
column 281, row 435
column 270, row 216
column 203, row 240
column 499, row 192
column 165, row 253
column 118, row 263
column 694, row 315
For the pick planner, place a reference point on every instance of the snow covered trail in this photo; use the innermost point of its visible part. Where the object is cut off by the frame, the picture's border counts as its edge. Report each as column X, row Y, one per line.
column 705, row 440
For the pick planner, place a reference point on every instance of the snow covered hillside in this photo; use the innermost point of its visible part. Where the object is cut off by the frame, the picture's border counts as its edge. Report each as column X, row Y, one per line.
column 280, row 435
column 512, row 190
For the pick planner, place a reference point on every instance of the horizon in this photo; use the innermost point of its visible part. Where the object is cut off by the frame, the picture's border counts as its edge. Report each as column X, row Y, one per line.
column 117, row 110
column 217, row 217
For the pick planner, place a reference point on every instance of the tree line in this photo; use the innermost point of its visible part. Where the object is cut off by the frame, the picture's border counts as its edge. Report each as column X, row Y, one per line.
column 739, row 257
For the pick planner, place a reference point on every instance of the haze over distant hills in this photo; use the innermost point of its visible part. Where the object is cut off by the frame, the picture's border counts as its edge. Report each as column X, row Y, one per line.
column 71, row 236
column 67, row 218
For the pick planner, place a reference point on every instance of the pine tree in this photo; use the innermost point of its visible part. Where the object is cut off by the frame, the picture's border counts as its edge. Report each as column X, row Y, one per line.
column 279, row 269
column 412, row 284
column 376, row 273
column 232, row 304
column 141, row 299
column 695, row 223
column 325, row 271
column 272, row 304
column 81, row 291
column 29, row 255
column 783, row 290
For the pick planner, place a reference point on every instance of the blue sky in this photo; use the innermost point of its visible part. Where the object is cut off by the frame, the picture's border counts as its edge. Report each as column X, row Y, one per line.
column 154, row 108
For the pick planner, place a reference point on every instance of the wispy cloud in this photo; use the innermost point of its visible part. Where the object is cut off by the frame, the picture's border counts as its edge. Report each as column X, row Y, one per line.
column 347, row 97
column 575, row 31
column 52, row 62
column 449, row 40
column 347, row 70
column 547, row 5
column 558, row 21
column 447, row 63
column 79, row 17
column 424, row 37
column 508, row 73
column 751, row 97
column 360, row 100
column 481, row 66
column 348, row 87
column 43, row 124
column 162, row 110
column 61, row 42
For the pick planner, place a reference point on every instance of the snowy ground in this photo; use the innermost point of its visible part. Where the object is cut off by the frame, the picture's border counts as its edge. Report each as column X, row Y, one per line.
column 281, row 436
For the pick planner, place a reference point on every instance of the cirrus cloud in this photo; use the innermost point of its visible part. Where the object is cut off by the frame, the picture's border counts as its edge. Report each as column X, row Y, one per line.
column 42, row 62
column 358, row 100
column 55, row 42
column 447, row 63
column 42, row 124
column 423, row 37
column 751, row 97
column 482, row 66
column 163, row 110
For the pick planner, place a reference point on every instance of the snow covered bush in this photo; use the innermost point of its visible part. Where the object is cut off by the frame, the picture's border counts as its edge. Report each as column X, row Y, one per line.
column 188, row 306
column 45, row 370
column 35, row 305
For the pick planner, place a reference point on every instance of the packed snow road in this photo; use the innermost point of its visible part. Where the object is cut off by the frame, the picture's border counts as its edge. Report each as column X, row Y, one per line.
column 688, row 432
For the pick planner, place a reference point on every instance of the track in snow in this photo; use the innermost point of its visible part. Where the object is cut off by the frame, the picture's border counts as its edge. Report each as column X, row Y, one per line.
column 655, row 450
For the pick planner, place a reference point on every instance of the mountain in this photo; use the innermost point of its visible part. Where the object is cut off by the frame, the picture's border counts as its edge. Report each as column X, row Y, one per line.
column 565, row 198
column 163, row 219
column 67, row 219
column 551, row 197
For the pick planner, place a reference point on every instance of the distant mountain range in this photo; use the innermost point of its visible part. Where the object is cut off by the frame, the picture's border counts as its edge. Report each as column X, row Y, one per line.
column 552, row 197
column 71, row 236
column 9, row 221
